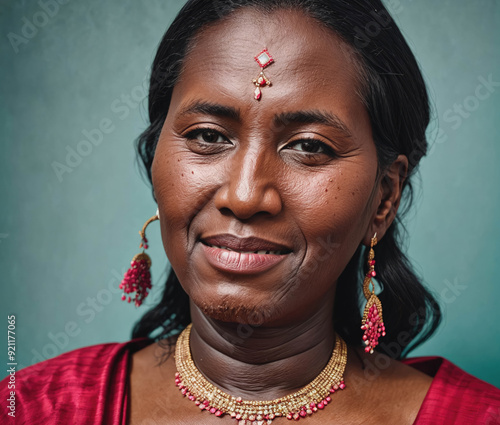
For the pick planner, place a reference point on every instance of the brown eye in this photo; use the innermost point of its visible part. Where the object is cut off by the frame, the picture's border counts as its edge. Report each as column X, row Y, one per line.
column 206, row 135
column 210, row 136
column 312, row 147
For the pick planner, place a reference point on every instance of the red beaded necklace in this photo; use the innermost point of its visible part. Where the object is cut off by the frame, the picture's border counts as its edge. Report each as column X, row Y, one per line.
column 313, row 397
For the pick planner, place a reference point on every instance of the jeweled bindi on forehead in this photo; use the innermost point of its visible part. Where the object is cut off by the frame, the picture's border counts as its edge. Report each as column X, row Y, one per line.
column 264, row 58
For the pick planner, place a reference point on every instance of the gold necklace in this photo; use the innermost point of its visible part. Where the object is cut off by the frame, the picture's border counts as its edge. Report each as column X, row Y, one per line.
column 309, row 399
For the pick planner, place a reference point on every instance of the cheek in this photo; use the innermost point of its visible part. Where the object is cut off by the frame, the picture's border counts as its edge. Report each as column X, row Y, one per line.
column 181, row 192
column 333, row 214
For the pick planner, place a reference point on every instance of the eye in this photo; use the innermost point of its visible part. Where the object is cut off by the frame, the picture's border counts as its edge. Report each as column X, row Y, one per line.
column 311, row 146
column 207, row 141
column 206, row 135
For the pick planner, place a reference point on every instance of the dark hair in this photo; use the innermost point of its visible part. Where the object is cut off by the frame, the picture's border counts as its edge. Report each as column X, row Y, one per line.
column 395, row 97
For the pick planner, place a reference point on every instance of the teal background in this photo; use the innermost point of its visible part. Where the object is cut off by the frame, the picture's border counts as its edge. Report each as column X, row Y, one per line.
column 66, row 242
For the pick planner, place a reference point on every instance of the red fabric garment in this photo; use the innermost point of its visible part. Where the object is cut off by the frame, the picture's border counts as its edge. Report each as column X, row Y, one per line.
column 89, row 386
column 455, row 397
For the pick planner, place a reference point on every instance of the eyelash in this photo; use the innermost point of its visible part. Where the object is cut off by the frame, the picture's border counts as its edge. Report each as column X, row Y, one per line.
column 193, row 134
column 327, row 150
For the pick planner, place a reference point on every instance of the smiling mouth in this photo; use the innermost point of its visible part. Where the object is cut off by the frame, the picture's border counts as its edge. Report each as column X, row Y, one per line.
column 261, row 252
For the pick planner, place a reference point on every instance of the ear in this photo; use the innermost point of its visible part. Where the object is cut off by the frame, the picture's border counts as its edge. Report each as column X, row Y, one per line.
column 388, row 198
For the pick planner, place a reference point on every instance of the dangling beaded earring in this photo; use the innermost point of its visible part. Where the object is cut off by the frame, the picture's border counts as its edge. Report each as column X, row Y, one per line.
column 138, row 276
column 372, row 323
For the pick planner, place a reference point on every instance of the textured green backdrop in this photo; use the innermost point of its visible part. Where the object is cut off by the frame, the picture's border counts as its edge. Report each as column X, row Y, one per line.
column 74, row 71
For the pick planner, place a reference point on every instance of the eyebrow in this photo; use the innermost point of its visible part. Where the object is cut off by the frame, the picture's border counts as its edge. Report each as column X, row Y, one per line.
column 209, row 108
column 313, row 116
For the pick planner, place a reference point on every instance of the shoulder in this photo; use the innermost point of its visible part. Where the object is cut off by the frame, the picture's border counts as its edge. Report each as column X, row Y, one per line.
column 455, row 396
column 66, row 387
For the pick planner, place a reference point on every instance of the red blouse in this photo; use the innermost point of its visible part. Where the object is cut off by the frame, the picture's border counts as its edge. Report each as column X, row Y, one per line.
column 89, row 386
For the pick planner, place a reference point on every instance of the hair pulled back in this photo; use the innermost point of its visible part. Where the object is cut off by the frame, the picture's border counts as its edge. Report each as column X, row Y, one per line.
column 396, row 99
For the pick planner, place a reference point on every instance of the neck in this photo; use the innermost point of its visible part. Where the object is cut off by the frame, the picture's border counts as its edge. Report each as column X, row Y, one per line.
column 262, row 363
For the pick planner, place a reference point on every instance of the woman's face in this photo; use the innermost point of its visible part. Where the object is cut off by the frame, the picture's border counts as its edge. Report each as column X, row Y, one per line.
column 297, row 169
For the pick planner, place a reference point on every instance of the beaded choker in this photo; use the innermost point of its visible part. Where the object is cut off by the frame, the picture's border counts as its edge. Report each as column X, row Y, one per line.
column 309, row 399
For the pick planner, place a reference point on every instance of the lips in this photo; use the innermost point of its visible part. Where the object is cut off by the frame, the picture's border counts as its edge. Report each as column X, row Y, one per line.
column 249, row 245
column 250, row 255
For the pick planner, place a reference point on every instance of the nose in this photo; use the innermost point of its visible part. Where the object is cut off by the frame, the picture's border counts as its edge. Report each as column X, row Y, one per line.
column 250, row 186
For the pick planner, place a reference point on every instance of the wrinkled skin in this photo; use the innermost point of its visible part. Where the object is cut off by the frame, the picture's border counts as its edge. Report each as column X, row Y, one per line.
column 299, row 168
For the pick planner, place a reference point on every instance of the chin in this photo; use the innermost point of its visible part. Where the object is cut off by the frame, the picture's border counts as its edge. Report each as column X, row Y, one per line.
column 238, row 311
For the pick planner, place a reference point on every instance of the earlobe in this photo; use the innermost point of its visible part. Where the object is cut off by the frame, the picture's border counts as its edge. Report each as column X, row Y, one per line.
column 389, row 197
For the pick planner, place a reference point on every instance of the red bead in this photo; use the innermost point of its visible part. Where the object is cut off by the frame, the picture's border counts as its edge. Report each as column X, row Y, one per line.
column 321, row 405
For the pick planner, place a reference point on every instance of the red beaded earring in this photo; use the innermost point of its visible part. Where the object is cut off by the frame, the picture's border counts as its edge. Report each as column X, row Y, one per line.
column 373, row 323
column 138, row 276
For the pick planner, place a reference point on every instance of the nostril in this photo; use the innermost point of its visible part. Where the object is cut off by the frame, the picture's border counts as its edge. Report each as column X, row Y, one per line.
column 244, row 204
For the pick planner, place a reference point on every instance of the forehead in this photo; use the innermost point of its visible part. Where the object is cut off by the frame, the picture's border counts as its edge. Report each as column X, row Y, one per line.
column 312, row 66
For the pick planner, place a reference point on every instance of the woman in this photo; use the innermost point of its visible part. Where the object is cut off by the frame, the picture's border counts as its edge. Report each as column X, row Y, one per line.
column 280, row 147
